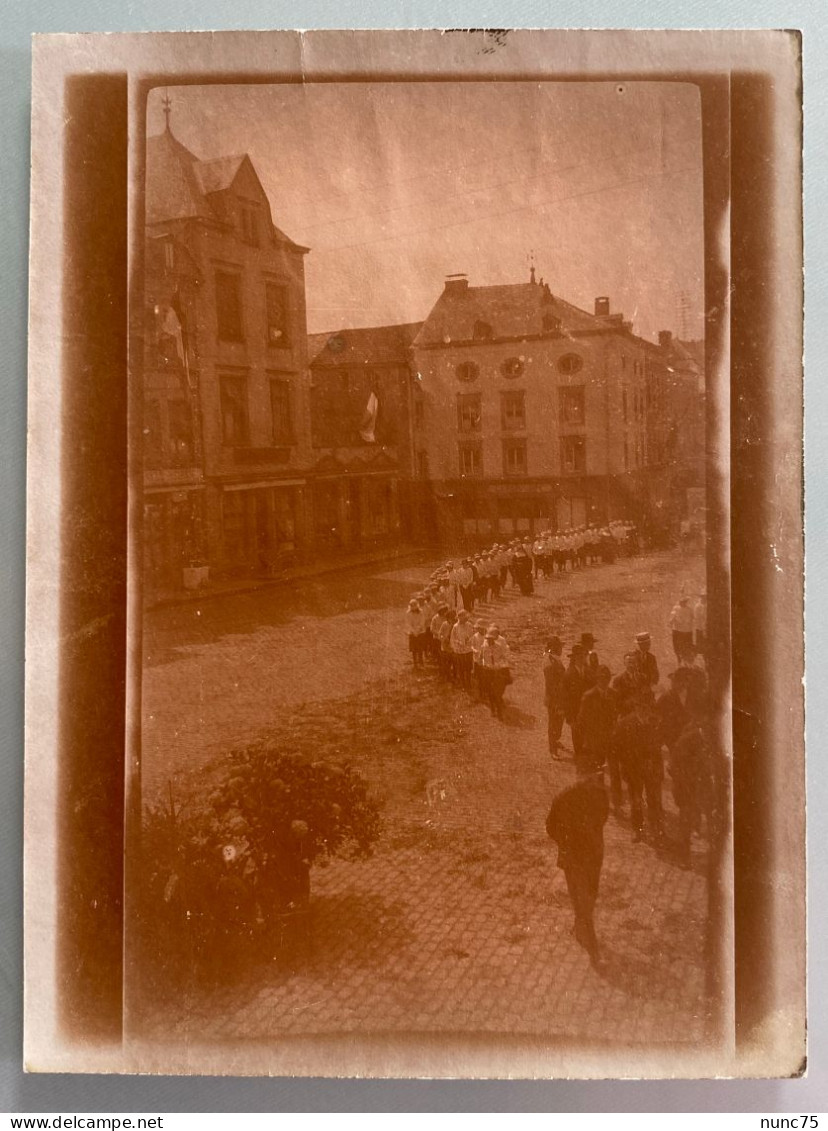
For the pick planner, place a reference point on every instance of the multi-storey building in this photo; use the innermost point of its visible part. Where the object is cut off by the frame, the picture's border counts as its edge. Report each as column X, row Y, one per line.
column 534, row 411
column 361, row 434
column 226, row 404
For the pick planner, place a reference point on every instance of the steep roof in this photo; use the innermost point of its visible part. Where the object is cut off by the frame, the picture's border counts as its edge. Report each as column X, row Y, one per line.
column 368, row 345
column 173, row 189
column 179, row 186
column 513, row 310
column 218, row 173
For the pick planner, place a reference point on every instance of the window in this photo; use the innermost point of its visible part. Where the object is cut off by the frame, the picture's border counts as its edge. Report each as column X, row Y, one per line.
column 234, row 424
column 181, row 432
column 468, row 412
column 467, row 371
column 228, row 307
column 419, row 413
column 482, row 332
column 572, row 405
column 280, row 409
column 471, row 459
column 153, row 434
column 278, row 315
column 551, row 324
column 624, row 403
column 512, row 367
column 422, row 465
column 570, row 363
column 250, row 224
column 626, row 454
column 514, row 457
column 573, row 453
column 513, row 411
column 233, row 524
column 169, row 255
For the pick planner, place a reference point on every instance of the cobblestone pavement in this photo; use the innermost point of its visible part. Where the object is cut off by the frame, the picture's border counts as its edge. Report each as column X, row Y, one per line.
column 460, row 920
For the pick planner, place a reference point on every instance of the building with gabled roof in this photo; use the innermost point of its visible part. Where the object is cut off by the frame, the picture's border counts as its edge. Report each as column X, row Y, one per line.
column 226, row 408
column 534, row 411
column 361, row 425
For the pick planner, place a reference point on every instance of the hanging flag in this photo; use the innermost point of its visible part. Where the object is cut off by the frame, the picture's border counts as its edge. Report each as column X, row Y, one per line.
column 367, row 429
column 171, row 327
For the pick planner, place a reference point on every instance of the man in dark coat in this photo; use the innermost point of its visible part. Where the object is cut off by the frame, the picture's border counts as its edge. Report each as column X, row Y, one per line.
column 576, row 823
column 628, row 684
column 691, row 772
column 673, row 707
column 554, row 678
column 576, row 682
column 596, row 719
column 638, row 750
column 522, row 568
column 645, row 662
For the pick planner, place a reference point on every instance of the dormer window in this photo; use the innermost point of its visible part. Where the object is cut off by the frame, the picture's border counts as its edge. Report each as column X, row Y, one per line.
column 482, row 332
column 551, row 324
column 249, row 224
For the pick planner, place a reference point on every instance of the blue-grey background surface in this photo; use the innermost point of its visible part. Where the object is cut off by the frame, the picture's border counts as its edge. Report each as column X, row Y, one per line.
column 20, row 1093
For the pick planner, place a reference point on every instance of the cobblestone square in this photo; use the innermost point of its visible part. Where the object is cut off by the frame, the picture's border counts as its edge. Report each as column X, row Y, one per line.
column 460, row 922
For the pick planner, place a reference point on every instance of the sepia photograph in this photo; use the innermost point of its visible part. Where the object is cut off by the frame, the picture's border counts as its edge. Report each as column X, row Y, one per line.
column 414, row 750
column 426, row 735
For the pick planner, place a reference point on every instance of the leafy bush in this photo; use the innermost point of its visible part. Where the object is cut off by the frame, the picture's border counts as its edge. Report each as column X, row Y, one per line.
column 217, row 875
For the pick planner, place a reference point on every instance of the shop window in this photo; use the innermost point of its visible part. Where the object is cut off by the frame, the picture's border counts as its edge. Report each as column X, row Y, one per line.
column 471, row 459
column 514, row 457
column 468, row 412
column 277, row 297
column 233, row 525
column 513, row 411
column 572, row 405
column 573, row 454
column 281, row 411
column 228, row 307
column 234, row 420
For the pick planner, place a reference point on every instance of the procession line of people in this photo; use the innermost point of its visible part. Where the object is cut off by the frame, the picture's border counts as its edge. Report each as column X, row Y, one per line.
column 623, row 733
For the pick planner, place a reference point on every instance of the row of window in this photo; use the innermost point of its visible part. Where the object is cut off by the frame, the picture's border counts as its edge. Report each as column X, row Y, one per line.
column 515, row 462
column 230, row 322
column 235, row 417
column 512, row 367
column 571, row 409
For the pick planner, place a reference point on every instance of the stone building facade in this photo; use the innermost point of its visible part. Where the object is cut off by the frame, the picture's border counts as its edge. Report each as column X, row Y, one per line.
column 535, row 411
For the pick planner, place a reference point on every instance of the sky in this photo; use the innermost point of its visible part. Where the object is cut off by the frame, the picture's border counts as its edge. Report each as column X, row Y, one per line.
column 393, row 186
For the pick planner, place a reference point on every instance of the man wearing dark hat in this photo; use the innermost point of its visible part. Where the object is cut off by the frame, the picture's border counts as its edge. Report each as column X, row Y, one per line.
column 576, row 823
column 554, row 677
column 596, row 719
column 672, row 706
column 637, row 747
column 645, row 662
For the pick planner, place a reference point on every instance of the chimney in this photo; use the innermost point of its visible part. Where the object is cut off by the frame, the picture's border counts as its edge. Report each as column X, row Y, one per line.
column 456, row 284
column 665, row 339
column 602, row 306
